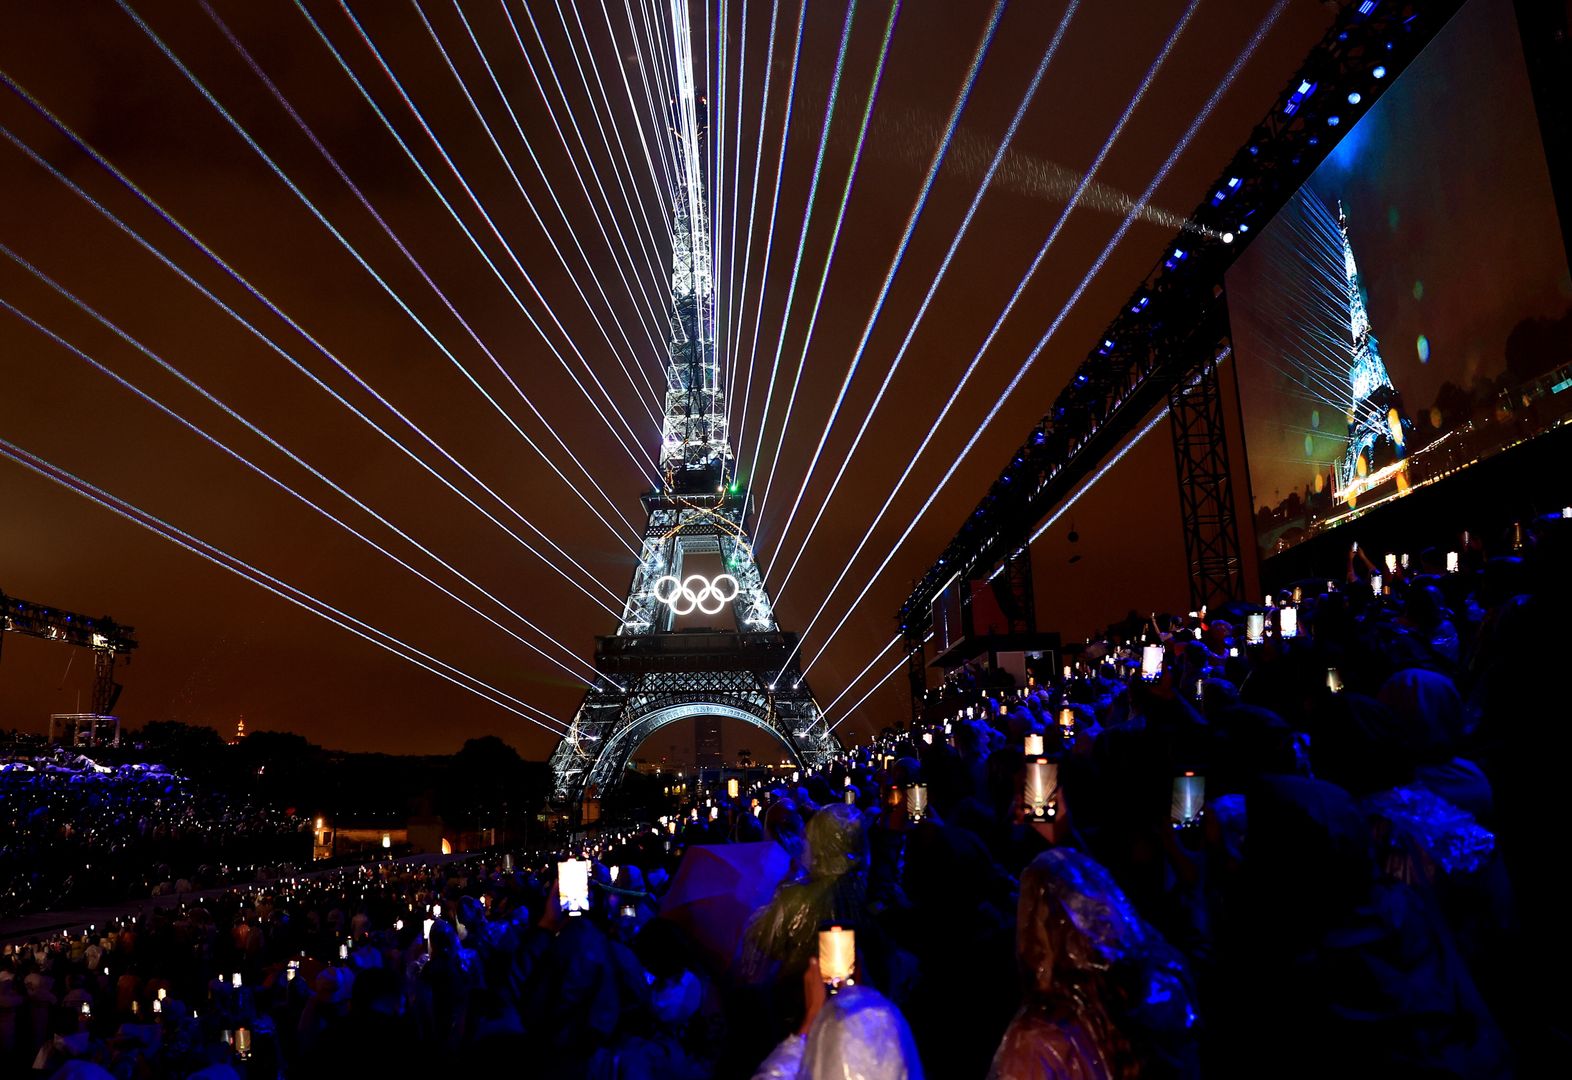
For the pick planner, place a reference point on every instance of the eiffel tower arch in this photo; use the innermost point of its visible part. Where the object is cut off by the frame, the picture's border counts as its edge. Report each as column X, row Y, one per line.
column 651, row 672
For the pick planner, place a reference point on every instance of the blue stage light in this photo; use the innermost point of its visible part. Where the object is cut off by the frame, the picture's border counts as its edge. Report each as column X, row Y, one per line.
column 1333, row 120
column 1355, row 98
column 1306, row 88
column 1367, row 6
column 1378, row 72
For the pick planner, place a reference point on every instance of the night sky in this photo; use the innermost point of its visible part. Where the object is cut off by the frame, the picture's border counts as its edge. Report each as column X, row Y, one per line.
column 215, row 647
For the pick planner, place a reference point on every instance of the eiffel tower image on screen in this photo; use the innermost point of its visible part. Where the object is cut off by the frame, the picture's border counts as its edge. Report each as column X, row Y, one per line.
column 1377, row 429
column 651, row 673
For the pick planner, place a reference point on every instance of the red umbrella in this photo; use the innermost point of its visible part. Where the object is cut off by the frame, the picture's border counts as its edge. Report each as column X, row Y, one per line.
column 718, row 888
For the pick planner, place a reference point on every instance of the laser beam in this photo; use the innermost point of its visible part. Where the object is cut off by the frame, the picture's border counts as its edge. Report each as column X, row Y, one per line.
column 829, row 258
column 663, row 182
column 616, row 130
column 517, row 183
column 634, row 455
column 1200, row 118
column 645, row 249
column 882, row 679
column 648, row 387
column 825, row 711
column 300, row 598
column 961, row 99
column 594, row 99
column 728, row 355
column 955, row 241
column 259, row 433
column 147, row 246
column 796, row 266
column 659, row 116
column 1020, row 288
column 732, row 379
column 322, row 218
column 769, row 245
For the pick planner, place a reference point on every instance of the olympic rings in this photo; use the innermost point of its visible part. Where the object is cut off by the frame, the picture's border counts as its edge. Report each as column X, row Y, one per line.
column 695, row 592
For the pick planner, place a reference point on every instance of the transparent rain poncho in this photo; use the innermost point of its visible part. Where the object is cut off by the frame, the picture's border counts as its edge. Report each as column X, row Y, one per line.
column 833, row 885
column 1104, row 993
column 858, row 1035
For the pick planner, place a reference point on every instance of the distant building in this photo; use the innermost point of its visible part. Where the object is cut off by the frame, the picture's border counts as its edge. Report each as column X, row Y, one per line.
column 709, row 753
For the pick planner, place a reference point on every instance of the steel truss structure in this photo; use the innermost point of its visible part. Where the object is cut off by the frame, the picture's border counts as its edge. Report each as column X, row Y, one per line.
column 1206, row 490
column 1177, row 315
column 107, row 639
column 652, row 673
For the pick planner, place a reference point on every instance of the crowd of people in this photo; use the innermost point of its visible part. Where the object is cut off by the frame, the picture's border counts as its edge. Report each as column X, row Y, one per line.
column 1238, row 843
column 76, row 831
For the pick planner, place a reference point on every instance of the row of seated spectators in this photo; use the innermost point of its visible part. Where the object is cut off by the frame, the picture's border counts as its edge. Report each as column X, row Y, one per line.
column 76, row 832
column 1369, row 871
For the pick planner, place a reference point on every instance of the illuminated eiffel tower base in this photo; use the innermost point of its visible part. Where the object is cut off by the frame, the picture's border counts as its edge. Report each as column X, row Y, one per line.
column 652, row 675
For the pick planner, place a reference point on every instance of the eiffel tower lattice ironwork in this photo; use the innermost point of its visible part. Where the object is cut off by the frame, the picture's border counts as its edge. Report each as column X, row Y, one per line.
column 1377, row 428
column 650, row 673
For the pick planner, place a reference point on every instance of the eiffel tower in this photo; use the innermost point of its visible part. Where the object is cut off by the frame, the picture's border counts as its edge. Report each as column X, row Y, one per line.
column 1377, row 428
column 650, row 672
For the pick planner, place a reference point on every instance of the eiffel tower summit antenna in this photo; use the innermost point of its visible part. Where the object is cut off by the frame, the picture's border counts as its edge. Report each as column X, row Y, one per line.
column 653, row 673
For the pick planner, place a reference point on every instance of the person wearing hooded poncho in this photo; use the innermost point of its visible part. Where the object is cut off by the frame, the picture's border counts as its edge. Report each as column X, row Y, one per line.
column 1330, row 969
column 782, row 936
column 833, row 885
column 1431, row 724
column 1104, row 996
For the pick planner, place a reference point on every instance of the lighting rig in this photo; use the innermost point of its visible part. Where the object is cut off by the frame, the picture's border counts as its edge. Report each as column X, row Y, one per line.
column 108, row 639
column 1169, row 335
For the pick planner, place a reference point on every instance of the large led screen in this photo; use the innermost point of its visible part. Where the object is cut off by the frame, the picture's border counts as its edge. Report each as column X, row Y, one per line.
column 1409, row 312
